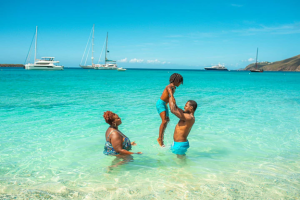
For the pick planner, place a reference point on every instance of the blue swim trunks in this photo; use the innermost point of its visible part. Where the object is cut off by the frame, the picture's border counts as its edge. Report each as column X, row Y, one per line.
column 162, row 106
column 180, row 148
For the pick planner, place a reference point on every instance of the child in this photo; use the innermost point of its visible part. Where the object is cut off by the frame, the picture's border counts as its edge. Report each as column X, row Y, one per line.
column 161, row 104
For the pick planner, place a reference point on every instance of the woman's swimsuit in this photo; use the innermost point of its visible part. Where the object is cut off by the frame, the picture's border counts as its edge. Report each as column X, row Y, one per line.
column 108, row 148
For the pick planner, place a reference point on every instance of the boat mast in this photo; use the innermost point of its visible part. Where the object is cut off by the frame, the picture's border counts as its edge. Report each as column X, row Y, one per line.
column 93, row 45
column 256, row 58
column 106, row 47
column 35, row 43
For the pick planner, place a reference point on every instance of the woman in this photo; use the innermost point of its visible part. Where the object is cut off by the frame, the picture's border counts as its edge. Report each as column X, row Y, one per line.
column 117, row 144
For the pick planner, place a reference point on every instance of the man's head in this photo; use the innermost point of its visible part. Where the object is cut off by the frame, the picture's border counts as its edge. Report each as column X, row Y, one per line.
column 190, row 106
column 176, row 79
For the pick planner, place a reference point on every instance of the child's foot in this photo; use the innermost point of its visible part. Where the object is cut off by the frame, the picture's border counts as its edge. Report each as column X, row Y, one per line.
column 160, row 142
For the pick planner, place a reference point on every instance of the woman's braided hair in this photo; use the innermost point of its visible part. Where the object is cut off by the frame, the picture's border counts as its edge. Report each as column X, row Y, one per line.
column 176, row 78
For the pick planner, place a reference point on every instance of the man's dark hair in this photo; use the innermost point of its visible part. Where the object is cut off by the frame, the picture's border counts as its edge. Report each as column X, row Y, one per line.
column 193, row 103
column 176, row 78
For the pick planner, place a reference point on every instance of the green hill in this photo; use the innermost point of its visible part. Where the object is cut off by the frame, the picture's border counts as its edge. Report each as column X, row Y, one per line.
column 290, row 64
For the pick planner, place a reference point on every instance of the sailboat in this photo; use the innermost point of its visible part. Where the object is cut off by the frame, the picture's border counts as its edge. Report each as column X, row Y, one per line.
column 109, row 64
column 256, row 69
column 89, row 66
column 46, row 63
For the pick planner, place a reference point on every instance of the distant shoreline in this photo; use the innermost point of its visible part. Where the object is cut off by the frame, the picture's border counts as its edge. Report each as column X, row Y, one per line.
column 199, row 70
column 12, row 65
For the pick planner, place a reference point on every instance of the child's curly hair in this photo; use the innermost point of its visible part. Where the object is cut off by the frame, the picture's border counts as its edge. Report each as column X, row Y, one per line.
column 176, row 78
column 109, row 117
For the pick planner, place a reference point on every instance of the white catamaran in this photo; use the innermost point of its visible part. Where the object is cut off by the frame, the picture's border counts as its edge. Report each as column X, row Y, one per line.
column 109, row 64
column 46, row 63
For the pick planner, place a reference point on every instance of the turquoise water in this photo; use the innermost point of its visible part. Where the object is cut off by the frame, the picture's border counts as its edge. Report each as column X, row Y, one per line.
column 245, row 142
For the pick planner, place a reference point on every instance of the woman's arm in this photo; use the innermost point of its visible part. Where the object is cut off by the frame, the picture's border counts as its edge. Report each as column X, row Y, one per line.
column 117, row 141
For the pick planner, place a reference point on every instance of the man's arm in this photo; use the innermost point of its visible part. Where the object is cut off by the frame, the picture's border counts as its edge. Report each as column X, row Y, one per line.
column 169, row 89
column 175, row 110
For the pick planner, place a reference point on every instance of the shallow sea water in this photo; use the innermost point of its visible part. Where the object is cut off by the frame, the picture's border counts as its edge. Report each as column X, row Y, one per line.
column 245, row 143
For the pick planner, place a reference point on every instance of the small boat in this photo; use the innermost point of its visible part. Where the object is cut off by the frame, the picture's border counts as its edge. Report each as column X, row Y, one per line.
column 256, row 68
column 121, row 69
column 46, row 63
column 218, row 67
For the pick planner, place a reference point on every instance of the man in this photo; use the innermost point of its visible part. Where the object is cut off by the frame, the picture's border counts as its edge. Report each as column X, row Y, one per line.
column 184, row 126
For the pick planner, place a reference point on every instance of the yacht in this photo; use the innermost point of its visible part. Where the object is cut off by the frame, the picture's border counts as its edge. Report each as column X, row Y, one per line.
column 46, row 63
column 218, row 67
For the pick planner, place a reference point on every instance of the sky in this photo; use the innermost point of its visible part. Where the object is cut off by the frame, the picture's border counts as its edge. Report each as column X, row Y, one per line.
column 152, row 34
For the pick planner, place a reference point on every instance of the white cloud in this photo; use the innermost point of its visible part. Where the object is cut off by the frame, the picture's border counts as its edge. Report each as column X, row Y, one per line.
column 135, row 60
column 250, row 59
column 123, row 60
column 156, row 61
column 153, row 61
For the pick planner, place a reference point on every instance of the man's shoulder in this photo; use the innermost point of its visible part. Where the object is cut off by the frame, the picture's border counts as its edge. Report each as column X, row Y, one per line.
column 188, row 116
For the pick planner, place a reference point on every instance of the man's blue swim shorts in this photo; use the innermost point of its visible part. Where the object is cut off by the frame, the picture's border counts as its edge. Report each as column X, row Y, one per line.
column 180, row 148
column 162, row 106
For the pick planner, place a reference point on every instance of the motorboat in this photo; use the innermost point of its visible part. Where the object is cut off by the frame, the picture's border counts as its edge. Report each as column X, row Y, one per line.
column 121, row 69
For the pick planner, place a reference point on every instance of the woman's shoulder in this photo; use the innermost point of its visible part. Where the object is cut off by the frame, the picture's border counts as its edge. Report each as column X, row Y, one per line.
column 112, row 132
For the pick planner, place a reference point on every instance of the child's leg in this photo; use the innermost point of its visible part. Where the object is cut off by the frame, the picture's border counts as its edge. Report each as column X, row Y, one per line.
column 163, row 125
